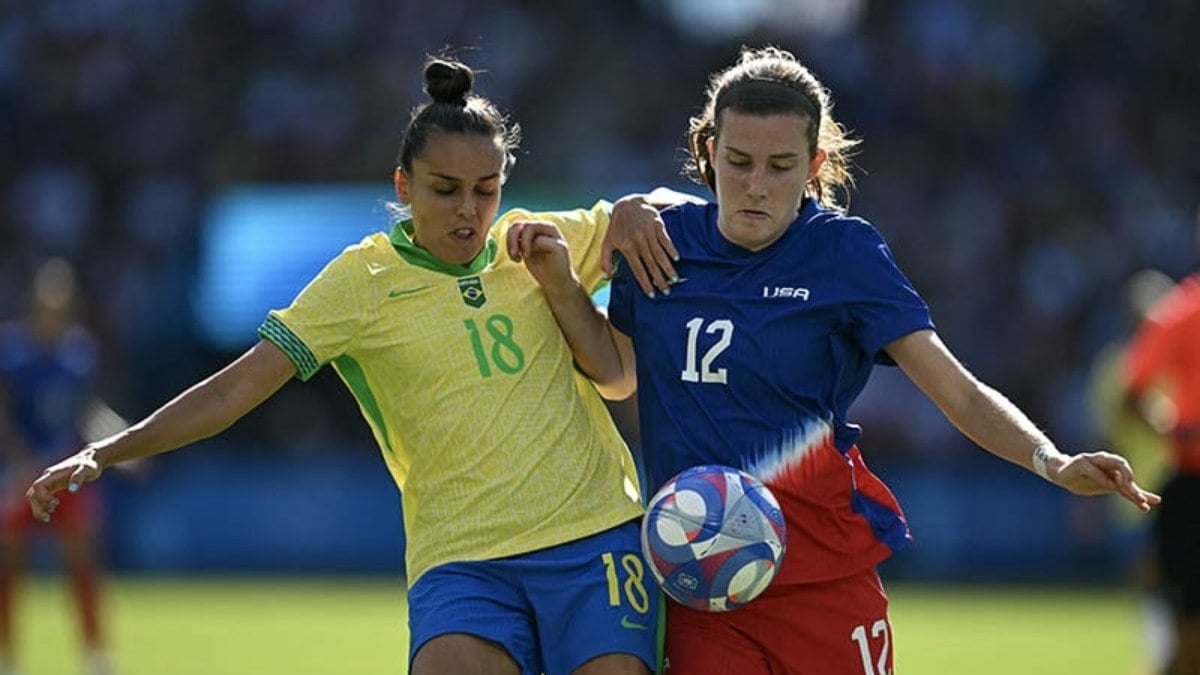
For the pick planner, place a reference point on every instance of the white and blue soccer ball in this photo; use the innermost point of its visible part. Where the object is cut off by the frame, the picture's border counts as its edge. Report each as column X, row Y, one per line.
column 714, row 537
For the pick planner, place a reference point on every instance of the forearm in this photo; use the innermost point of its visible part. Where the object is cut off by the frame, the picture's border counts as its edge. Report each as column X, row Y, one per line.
column 204, row 410
column 592, row 344
column 663, row 197
column 994, row 423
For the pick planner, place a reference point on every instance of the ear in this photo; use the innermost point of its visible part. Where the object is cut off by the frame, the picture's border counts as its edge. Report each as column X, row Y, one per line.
column 817, row 162
column 402, row 185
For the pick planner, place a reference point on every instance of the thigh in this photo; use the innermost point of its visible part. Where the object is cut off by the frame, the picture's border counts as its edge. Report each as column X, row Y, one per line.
column 596, row 604
column 460, row 653
column 837, row 627
column 472, row 611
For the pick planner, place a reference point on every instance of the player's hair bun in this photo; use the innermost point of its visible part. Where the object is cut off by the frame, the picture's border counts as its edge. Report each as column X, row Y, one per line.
column 448, row 81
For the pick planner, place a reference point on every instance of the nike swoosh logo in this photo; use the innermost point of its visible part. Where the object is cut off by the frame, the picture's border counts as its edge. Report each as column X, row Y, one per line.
column 626, row 622
column 405, row 291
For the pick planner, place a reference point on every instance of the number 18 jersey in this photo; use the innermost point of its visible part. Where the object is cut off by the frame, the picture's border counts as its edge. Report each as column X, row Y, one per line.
column 498, row 444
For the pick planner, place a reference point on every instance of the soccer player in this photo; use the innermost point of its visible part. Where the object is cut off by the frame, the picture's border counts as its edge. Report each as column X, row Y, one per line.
column 47, row 366
column 780, row 307
column 521, row 502
column 1125, row 432
column 1164, row 359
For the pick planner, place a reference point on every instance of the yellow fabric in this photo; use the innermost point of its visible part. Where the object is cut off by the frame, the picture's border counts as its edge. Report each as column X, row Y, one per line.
column 1124, row 434
column 498, row 445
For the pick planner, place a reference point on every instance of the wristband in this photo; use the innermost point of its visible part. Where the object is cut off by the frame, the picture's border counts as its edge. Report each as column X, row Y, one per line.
column 1040, row 454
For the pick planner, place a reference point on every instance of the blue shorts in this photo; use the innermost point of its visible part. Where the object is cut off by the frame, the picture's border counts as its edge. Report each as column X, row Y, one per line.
column 553, row 609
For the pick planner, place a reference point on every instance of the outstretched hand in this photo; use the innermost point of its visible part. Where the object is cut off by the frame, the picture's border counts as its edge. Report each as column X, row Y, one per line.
column 68, row 474
column 1097, row 473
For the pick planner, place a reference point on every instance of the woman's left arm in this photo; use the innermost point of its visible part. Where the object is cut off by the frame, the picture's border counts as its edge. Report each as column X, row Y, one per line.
column 992, row 421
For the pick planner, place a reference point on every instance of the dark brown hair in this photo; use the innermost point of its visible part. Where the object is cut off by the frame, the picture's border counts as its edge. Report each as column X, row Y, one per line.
column 455, row 110
column 768, row 81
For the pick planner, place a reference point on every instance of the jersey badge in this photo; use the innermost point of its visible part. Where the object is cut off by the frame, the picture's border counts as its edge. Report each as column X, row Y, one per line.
column 471, row 289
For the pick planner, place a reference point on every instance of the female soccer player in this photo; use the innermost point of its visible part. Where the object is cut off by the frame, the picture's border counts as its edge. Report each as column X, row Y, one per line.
column 779, row 308
column 520, row 499
column 48, row 363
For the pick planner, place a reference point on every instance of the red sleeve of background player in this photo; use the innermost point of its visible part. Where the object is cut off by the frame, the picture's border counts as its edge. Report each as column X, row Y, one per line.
column 1146, row 357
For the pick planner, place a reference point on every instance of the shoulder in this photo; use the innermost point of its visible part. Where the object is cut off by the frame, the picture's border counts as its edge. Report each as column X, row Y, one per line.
column 688, row 219
column 593, row 216
column 837, row 225
column 373, row 248
column 689, row 212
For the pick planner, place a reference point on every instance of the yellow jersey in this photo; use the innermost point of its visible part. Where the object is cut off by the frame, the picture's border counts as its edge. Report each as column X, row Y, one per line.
column 499, row 445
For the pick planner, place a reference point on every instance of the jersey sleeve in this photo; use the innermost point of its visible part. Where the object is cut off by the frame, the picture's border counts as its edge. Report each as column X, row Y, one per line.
column 883, row 305
column 323, row 319
column 584, row 231
column 1143, row 360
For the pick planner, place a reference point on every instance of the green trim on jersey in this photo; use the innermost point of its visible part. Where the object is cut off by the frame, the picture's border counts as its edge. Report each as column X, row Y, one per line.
column 352, row 374
column 281, row 336
column 401, row 237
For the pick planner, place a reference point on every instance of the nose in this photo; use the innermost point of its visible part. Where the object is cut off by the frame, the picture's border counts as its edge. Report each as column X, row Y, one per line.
column 466, row 207
column 756, row 184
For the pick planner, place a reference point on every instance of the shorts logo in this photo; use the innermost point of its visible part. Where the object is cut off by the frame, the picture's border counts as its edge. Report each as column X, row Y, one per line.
column 471, row 289
column 626, row 622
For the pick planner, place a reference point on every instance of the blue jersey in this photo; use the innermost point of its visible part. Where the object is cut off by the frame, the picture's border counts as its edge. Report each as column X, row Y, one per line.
column 47, row 388
column 753, row 360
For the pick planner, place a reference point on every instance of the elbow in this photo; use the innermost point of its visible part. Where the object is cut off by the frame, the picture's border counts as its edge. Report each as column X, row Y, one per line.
column 617, row 388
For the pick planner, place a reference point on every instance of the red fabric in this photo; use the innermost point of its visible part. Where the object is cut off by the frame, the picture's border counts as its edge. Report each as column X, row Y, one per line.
column 1166, row 351
column 835, row 627
column 77, row 514
column 827, row 538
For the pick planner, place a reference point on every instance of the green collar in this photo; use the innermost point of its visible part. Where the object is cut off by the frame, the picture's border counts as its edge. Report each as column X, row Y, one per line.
column 401, row 236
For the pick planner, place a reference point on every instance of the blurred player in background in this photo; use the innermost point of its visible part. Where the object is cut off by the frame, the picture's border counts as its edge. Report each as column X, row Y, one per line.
column 47, row 368
column 1125, row 433
column 521, row 502
column 1163, row 360
column 781, row 305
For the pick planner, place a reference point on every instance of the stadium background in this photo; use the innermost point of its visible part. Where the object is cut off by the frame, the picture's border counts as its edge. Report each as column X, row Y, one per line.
column 198, row 159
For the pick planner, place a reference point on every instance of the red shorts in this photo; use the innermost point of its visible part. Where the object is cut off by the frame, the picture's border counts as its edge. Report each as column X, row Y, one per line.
column 837, row 627
column 77, row 514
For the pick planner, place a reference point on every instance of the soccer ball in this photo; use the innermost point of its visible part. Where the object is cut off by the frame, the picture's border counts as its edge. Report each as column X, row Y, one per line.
column 714, row 537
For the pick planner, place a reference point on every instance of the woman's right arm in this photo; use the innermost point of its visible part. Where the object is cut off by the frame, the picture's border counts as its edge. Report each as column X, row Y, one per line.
column 206, row 409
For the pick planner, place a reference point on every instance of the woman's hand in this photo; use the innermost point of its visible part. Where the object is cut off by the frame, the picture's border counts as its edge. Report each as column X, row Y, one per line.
column 68, row 474
column 544, row 250
column 1097, row 473
column 637, row 230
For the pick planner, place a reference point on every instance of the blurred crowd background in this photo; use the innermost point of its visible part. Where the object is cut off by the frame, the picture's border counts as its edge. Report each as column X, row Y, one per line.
column 1022, row 157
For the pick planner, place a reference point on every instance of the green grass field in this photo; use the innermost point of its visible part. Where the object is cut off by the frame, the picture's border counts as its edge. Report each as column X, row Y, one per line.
column 333, row 627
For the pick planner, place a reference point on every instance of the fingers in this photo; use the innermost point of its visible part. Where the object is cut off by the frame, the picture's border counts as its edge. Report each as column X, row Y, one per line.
column 657, row 263
column 528, row 237
column 42, row 501
column 1104, row 472
column 638, row 232
column 638, row 268
column 606, row 255
column 513, row 240
column 672, row 254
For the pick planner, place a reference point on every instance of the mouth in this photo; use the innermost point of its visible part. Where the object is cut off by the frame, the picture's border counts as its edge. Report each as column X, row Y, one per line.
column 462, row 234
column 754, row 214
